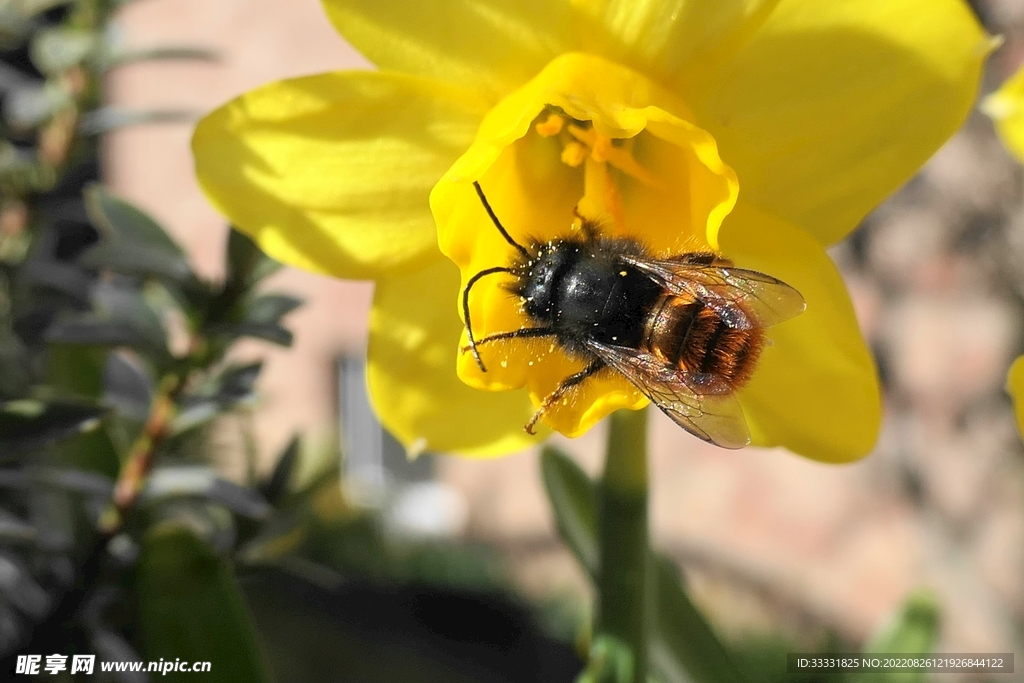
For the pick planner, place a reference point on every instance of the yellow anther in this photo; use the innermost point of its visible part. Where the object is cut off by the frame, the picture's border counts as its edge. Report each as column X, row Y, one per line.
column 574, row 154
column 602, row 149
column 551, row 126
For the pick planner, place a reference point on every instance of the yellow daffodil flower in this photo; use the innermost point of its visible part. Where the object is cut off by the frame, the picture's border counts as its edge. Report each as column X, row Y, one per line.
column 761, row 129
column 1006, row 109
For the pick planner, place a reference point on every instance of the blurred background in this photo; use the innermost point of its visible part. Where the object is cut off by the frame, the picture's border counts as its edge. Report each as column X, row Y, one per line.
column 770, row 543
column 937, row 274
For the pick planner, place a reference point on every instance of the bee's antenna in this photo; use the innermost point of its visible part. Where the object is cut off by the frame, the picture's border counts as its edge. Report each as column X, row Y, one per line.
column 497, row 224
column 465, row 295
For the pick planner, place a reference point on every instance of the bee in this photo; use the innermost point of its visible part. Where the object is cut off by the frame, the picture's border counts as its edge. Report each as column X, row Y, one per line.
column 687, row 330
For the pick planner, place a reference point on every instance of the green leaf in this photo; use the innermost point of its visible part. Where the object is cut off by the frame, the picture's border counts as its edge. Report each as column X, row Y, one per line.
column 574, row 502
column 127, row 386
column 198, row 481
column 20, row 589
column 27, row 424
column 236, row 382
column 92, row 451
column 60, row 478
column 15, row 376
column 135, row 259
column 913, row 629
column 124, row 303
column 122, row 317
column 119, row 218
column 610, row 661
column 76, row 370
column 54, row 50
column 279, row 482
column 14, row 531
column 683, row 646
column 30, row 106
column 270, row 308
column 233, row 386
column 65, row 278
column 32, row 7
column 133, row 242
column 116, row 56
column 271, row 332
column 246, row 263
column 246, row 266
column 190, row 608
column 14, row 25
column 90, row 329
column 106, row 119
column 259, row 318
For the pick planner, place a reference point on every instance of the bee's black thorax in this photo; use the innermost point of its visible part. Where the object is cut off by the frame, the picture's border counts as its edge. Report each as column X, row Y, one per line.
column 583, row 290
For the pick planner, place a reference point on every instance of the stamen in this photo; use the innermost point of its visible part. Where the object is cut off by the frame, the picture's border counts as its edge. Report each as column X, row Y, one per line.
column 551, row 126
column 584, row 146
column 601, row 194
column 574, row 153
column 602, row 149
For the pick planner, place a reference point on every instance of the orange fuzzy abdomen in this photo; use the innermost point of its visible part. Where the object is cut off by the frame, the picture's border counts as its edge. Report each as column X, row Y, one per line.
column 684, row 332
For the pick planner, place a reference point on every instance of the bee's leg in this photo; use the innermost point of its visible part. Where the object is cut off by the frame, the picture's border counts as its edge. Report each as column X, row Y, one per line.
column 526, row 332
column 567, row 384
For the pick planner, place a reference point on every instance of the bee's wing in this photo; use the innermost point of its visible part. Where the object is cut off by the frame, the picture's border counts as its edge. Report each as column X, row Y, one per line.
column 696, row 402
column 743, row 298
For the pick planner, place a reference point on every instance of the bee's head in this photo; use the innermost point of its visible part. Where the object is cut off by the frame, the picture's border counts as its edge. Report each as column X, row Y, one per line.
column 538, row 277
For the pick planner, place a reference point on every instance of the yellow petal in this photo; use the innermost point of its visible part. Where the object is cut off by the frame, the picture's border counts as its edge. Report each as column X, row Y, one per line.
column 833, row 104
column 414, row 335
column 492, row 45
column 533, row 194
column 332, row 173
column 1015, row 387
column 663, row 37
column 815, row 390
column 1006, row 108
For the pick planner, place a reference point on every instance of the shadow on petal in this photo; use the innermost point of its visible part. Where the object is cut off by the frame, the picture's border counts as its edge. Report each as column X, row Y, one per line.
column 415, row 391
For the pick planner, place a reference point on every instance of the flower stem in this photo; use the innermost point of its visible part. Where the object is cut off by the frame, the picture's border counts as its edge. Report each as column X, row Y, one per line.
column 139, row 460
column 623, row 539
